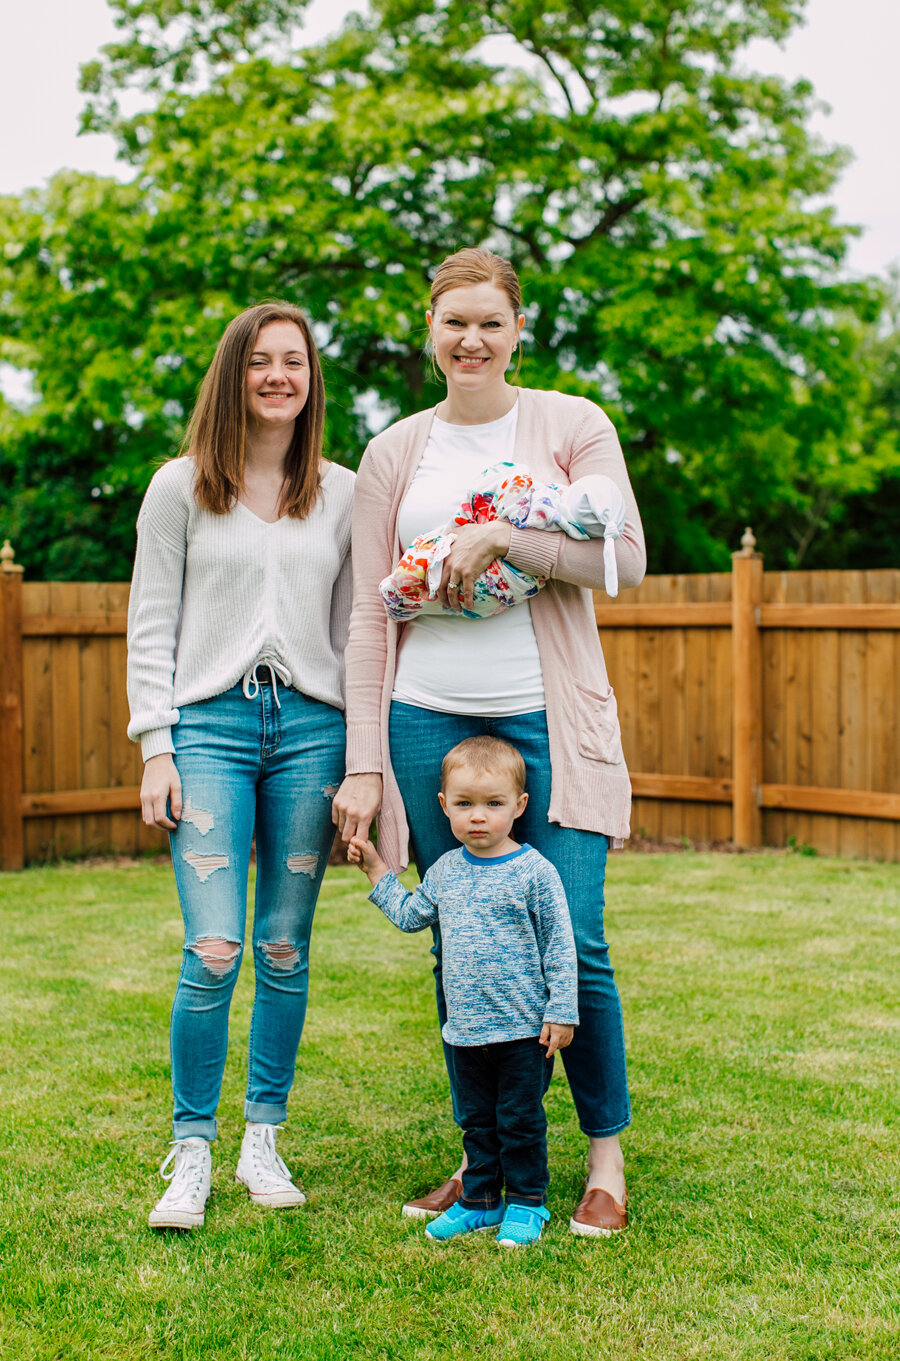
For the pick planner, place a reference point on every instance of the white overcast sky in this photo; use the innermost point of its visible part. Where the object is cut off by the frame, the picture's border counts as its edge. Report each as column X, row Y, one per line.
column 848, row 49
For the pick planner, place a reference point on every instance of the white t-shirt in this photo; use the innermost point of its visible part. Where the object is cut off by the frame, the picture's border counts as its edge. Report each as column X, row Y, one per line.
column 447, row 662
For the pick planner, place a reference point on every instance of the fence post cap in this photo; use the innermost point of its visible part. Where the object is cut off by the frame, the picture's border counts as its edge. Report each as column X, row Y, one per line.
column 748, row 545
column 7, row 559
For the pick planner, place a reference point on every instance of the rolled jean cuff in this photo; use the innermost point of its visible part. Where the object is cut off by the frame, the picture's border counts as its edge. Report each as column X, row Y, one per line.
column 262, row 1114
column 607, row 1133
column 194, row 1129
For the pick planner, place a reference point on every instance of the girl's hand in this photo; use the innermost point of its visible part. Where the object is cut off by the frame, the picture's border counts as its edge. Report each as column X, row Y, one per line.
column 475, row 548
column 556, row 1037
column 355, row 805
column 160, row 786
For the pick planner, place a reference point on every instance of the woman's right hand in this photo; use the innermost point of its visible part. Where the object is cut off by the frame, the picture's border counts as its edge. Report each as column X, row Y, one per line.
column 161, row 786
column 474, row 549
column 355, row 805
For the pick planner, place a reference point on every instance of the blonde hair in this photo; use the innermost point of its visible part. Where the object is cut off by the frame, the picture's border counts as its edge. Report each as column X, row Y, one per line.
column 216, row 436
column 485, row 754
column 476, row 266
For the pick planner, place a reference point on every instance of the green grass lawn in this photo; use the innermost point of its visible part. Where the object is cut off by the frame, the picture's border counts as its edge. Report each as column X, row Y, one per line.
column 760, row 999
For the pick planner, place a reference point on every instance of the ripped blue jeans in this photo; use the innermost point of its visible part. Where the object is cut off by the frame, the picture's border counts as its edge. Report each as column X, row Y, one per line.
column 245, row 764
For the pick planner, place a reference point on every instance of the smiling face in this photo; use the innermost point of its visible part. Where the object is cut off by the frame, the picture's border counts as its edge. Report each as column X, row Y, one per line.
column 277, row 375
column 474, row 331
column 482, row 806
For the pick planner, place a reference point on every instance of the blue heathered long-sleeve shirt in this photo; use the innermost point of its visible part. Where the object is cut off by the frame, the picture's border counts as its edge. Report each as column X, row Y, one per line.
column 508, row 953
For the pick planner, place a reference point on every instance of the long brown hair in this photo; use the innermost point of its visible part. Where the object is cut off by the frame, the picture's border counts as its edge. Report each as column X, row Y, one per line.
column 216, row 436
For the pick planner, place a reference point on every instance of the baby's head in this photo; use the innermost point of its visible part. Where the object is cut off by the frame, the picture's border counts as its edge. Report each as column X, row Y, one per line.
column 483, row 792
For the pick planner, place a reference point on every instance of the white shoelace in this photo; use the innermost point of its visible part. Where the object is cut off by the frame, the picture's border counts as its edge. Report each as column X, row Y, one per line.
column 267, row 1162
column 186, row 1177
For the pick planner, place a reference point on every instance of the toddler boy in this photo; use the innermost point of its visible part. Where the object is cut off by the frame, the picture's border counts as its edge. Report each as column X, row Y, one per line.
column 510, row 984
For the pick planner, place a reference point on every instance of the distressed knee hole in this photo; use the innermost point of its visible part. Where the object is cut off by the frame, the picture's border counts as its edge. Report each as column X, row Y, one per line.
column 329, row 790
column 304, row 864
column 205, row 865
column 219, row 956
column 281, row 954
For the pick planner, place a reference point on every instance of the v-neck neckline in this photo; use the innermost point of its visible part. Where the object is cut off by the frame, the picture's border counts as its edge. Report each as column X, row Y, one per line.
column 267, row 524
column 270, row 524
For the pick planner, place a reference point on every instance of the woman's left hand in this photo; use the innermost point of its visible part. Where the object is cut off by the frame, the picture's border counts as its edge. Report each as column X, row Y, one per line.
column 474, row 549
column 356, row 803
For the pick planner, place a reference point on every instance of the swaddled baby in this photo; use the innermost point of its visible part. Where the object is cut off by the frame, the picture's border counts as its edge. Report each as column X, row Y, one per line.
column 591, row 508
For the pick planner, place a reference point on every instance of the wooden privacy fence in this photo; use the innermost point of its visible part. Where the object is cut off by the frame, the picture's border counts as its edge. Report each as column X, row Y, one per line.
column 755, row 707
column 759, row 707
column 70, row 775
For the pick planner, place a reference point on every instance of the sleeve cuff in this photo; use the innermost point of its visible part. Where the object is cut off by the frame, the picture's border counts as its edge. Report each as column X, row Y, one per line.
column 156, row 743
column 534, row 550
column 364, row 750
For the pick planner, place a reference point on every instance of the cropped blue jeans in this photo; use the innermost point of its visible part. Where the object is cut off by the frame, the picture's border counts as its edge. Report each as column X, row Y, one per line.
column 247, row 764
column 595, row 1060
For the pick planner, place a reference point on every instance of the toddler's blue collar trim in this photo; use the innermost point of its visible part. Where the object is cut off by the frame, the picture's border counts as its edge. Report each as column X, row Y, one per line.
column 485, row 862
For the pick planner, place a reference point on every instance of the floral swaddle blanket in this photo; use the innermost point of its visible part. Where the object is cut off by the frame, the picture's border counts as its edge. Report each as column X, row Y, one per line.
column 591, row 508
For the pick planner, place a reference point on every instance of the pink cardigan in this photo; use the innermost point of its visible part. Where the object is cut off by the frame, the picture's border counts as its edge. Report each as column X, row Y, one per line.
column 558, row 438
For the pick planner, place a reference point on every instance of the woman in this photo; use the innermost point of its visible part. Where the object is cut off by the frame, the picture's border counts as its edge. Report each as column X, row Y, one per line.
column 533, row 675
column 236, row 632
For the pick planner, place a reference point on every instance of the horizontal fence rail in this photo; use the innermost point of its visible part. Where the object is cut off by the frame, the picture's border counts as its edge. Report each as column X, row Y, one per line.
column 75, row 625
column 777, row 616
column 760, row 708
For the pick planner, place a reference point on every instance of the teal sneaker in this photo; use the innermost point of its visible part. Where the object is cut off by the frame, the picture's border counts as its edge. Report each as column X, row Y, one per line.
column 458, row 1220
column 521, row 1225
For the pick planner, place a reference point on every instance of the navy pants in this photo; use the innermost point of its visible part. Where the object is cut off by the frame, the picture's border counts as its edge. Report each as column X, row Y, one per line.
column 500, row 1091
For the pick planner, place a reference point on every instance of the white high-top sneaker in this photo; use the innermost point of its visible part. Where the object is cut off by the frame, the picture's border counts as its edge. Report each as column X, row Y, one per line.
column 263, row 1172
column 184, row 1203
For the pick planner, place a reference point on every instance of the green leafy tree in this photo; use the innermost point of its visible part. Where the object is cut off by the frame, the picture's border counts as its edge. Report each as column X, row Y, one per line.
column 862, row 514
column 662, row 204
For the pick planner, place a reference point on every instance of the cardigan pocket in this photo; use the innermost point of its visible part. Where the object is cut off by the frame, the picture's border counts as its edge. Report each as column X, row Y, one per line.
column 599, row 737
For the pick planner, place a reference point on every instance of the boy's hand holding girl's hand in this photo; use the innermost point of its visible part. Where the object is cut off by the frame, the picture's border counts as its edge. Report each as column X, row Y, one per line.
column 361, row 852
column 556, row 1037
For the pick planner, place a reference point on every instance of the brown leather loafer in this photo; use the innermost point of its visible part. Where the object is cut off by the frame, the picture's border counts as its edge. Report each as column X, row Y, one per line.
column 599, row 1215
column 435, row 1203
